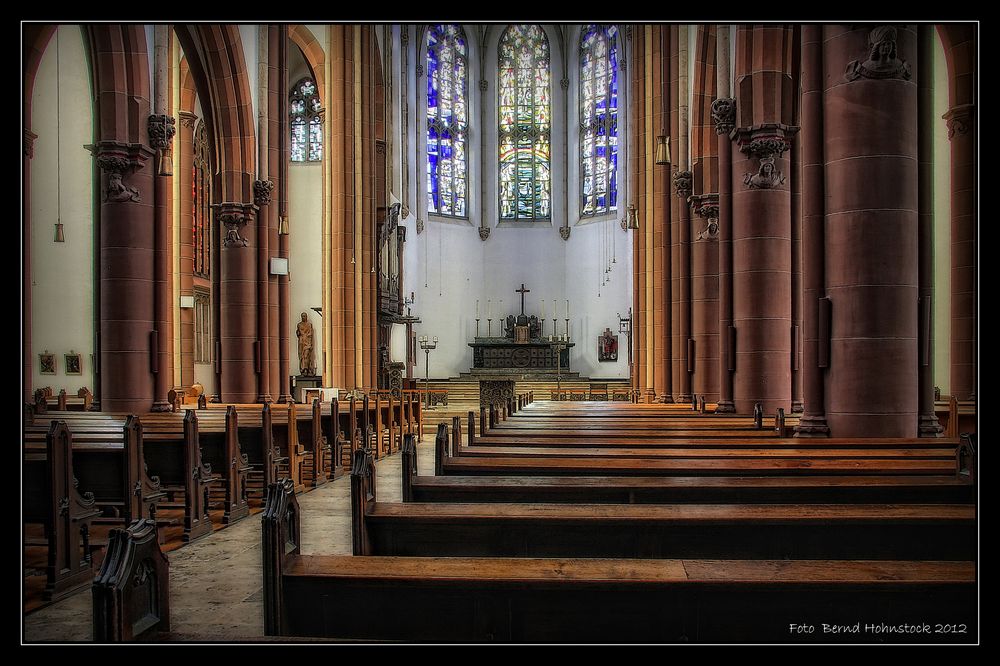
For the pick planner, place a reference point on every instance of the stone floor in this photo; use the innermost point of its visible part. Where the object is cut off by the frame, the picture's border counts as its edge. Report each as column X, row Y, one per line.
column 216, row 589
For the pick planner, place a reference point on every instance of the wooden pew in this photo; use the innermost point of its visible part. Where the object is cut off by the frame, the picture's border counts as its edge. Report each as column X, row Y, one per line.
column 724, row 531
column 458, row 599
column 679, row 489
column 218, row 432
column 50, row 496
column 108, row 461
column 173, row 450
column 132, row 590
column 81, row 402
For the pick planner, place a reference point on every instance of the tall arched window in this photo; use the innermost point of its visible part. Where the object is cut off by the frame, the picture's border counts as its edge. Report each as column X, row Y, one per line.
column 525, row 124
column 306, row 122
column 598, row 120
column 447, row 120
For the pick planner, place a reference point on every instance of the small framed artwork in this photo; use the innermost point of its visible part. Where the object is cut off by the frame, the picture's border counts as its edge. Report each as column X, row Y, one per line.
column 47, row 363
column 607, row 346
column 74, row 364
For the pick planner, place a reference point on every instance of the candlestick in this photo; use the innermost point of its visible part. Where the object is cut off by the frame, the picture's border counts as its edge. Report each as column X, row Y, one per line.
column 567, row 328
column 554, row 320
column 543, row 309
column 567, row 307
column 489, row 308
column 477, row 324
column 477, row 307
column 489, row 327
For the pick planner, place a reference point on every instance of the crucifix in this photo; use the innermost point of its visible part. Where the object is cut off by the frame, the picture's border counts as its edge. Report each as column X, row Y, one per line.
column 522, row 291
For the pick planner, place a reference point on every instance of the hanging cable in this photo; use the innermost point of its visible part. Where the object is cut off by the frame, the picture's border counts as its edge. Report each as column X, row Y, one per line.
column 59, row 233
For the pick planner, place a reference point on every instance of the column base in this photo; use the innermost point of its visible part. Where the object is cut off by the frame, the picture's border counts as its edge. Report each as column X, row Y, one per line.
column 650, row 395
column 725, row 407
column 161, row 406
column 285, row 398
column 263, row 398
column 929, row 426
column 812, row 425
column 797, row 407
column 683, row 399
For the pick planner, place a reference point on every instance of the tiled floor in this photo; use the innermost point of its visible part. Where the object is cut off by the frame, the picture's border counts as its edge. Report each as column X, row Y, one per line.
column 216, row 582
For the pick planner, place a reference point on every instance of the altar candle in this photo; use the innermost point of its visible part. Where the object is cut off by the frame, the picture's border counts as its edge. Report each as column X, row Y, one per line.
column 477, row 308
column 543, row 308
column 567, row 308
column 489, row 308
column 500, row 313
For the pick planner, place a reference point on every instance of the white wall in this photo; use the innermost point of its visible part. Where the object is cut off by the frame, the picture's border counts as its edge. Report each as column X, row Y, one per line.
column 305, row 263
column 62, row 274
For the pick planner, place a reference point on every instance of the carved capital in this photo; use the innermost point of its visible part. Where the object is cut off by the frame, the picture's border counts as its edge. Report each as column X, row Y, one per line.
column 484, row 233
column 564, row 83
column 483, row 85
column 188, row 119
column 420, row 69
column 262, row 190
column 404, row 34
column 161, row 131
column 621, row 64
column 29, row 142
column 724, row 115
column 564, row 232
column 705, row 205
column 404, row 210
column 682, row 183
column 234, row 216
column 420, row 226
column 883, row 61
column 959, row 119
column 379, row 147
column 118, row 161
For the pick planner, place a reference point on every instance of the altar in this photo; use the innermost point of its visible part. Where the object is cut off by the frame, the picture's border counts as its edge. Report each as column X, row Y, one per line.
column 506, row 354
column 520, row 348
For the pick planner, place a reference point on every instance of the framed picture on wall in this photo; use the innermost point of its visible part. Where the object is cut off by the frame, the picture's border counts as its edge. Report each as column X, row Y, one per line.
column 607, row 346
column 74, row 364
column 47, row 363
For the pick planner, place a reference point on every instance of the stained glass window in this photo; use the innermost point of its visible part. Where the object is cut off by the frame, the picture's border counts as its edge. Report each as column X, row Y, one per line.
column 447, row 120
column 598, row 120
column 306, row 122
column 525, row 124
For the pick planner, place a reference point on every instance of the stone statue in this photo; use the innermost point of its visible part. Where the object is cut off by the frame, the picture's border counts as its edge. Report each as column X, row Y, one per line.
column 307, row 358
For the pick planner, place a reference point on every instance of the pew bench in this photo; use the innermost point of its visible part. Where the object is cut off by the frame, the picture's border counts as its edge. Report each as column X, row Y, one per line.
column 460, row 599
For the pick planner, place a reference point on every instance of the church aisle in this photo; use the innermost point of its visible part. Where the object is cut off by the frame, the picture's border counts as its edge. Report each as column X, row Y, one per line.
column 216, row 583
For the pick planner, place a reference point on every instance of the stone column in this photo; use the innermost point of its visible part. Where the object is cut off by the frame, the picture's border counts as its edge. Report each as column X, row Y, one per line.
column 262, row 199
column 928, row 424
column 127, row 291
column 682, row 186
column 161, row 135
column 284, row 295
column 705, row 296
column 272, row 139
column 237, row 302
column 27, row 359
column 813, row 420
column 724, row 115
column 870, row 131
column 962, row 134
column 185, row 158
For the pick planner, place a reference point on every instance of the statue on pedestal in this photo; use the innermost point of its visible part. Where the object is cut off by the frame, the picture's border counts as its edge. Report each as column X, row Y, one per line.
column 307, row 358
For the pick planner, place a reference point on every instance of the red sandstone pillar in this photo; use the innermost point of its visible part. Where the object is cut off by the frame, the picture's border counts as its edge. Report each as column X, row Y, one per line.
column 705, row 298
column 27, row 362
column 161, row 134
column 682, row 184
column 870, row 131
column 813, row 420
column 186, row 246
column 262, row 199
column 274, row 129
column 962, row 134
column 724, row 115
column 928, row 423
column 126, row 247
column 285, row 153
column 762, row 270
column 237, row 302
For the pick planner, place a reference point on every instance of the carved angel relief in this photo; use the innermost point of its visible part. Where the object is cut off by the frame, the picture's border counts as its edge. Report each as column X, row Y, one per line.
column 767, row 177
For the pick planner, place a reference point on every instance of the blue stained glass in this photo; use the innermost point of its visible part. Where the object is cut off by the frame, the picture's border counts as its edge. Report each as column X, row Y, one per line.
column 598, row 119
column 447, row 119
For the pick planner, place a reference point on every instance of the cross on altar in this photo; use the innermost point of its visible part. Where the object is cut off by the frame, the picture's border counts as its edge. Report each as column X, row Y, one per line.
column 522, row 291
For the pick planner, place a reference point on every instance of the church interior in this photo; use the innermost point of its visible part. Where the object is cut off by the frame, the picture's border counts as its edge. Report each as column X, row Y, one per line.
column 644, row 333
